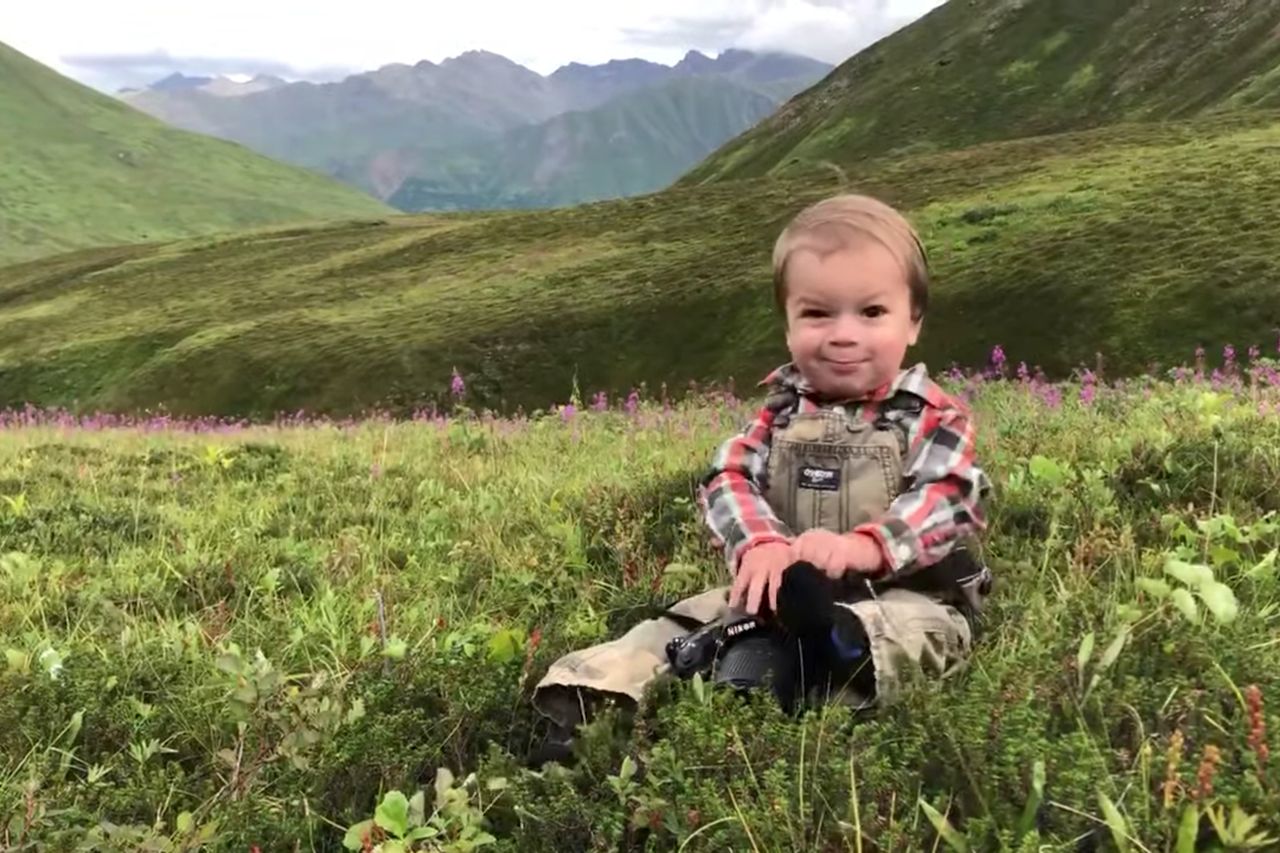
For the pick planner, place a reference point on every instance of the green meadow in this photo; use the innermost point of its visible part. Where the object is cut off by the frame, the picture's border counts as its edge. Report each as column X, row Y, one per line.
column 264, row 636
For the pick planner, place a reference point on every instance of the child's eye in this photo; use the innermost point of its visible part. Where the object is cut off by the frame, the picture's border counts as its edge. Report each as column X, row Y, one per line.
column 875, row 311
column 813, row 312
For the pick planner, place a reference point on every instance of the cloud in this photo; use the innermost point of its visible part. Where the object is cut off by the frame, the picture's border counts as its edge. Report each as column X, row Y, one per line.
column 134, row 42
column 691, row 33
column 830, row 30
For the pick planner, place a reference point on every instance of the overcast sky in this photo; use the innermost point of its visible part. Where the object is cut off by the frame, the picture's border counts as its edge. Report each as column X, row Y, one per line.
column 110, row 44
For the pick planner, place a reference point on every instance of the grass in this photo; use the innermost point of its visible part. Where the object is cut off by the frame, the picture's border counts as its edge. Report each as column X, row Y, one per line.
column 257, row 635
column 1140, row 241
column 81, row 169
column 973, row 72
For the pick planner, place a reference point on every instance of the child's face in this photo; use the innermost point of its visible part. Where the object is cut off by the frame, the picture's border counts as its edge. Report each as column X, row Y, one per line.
column 849, row 318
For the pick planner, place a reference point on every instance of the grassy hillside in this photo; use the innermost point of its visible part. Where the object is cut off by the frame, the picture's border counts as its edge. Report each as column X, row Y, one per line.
column 81, row 169
column 633, row 144
column 983, row 70
column 1140, row 241
column 247, row 640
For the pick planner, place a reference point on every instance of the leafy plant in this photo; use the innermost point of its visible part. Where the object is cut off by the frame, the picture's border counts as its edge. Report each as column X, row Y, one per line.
column 455, row 825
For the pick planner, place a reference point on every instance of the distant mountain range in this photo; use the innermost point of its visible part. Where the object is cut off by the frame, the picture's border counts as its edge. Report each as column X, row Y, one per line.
column 219, row 86
column 478, row 130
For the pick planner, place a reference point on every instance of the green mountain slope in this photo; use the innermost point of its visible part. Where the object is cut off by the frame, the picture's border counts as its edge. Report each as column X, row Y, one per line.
column 633, row 144
column 983, row 70
column 1140, row 241
column 79, row 168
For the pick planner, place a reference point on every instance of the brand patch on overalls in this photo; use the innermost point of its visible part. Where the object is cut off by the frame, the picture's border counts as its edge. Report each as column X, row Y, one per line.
column 820, row 479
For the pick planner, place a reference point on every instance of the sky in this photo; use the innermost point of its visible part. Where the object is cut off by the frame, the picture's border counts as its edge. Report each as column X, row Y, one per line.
column 111, row 44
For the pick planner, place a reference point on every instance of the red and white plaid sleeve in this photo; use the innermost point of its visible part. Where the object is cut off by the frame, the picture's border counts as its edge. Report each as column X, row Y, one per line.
column 732, row 493
column 943, row 491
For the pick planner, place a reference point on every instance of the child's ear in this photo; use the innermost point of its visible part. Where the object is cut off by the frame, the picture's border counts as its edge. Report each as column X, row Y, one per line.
column 914, row 335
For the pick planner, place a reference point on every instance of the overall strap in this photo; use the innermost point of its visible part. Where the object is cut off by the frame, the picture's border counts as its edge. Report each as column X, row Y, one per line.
column 903, row 404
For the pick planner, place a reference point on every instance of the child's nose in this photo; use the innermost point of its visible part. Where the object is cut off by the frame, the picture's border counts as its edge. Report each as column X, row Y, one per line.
column 846, row 330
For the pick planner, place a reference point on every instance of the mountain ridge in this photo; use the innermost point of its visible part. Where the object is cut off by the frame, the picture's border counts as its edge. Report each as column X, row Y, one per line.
column 378, row 129
column 628, row 146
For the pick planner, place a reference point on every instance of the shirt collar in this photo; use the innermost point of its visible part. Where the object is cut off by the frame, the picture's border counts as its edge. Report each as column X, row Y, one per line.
column 788, row 377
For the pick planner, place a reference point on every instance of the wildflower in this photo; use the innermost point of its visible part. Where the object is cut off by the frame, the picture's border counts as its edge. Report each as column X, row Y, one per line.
column 601, row 402
column 567, row 411
column 1208, row 769
column 1051, row 396
column 1088, row 388
column 530, row 649
column 633, row 402
column 456, row 385
column 1257, row 724
column 1255, row 352
column 1173, row 758
column 998, row 358
column 1023, row 373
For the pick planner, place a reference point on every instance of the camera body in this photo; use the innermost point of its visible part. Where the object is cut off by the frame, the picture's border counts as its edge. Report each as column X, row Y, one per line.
column 698, row 650
column 742, row 652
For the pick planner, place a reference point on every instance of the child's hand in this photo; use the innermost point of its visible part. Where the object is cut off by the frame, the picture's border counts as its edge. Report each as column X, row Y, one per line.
column 760, row 572
column 836, row 554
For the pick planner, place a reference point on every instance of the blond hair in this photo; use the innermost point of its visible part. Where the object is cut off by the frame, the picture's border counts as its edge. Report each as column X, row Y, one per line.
column 835, row 223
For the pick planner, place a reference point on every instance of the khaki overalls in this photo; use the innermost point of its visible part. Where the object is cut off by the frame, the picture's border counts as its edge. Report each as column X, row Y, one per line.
column 827, row 469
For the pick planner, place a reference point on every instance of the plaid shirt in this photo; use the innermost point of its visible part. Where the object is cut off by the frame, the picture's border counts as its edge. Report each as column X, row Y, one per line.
column 943, row 488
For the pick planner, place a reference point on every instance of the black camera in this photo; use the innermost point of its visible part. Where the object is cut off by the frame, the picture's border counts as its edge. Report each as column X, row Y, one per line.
column 741, row 652
column 698, row 650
